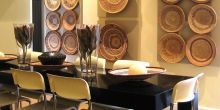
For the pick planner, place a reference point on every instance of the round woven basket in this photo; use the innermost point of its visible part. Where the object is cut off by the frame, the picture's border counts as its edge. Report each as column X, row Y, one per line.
column 69, row 4
column 201, row 1
column 52, row 5
column 53, row 20
column 53, row 41
column 69, row 45
column 200, row 50
column 113, row 42
column 171, row 2
column 69, row 20
column 172, row 18
column 113, row 6
column 202, row 19
column 172, row 47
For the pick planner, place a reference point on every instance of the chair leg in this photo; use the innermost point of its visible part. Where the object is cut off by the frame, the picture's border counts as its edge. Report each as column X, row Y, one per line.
column 18, row 97
column 90, row 105
column 171, row 106
column 192, row 105
column 54, row 101
column 45, row 100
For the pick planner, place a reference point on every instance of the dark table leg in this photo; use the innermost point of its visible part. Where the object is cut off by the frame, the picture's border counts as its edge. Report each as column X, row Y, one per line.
column 189, row 105
column 6, row 108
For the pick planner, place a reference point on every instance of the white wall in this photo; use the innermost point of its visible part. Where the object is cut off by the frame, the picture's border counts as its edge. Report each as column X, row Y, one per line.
column 209, row 89
column 12, row 11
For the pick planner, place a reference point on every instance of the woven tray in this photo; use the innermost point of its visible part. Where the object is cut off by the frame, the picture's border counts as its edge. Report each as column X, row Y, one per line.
column 171, row 2
column 53, row 41
column 172, row 18
column 70, row 44
column 113, row 42
column 52, row 5
column 202, row 19
column 113, row 6
column 172, row 48
column 69, row 20
column 53, row 20
column 69, row 4
column 200, row 50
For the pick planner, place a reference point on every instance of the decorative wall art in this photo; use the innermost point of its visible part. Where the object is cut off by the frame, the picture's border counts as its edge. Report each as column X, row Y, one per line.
column 200, row 49
column 113, row 6
column 202, row 18
column 70, row 44
column 201, row 1
column 69, row 20
column 52, row 5
column 53, row 20
column 171, row 2
column 172, row 18
column 60, row 21
column 113, row 42
column 53, row 41
column 172, row 47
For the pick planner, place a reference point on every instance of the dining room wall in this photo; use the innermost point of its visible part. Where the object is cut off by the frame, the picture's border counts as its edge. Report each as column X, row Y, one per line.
column 12, row 11
column 149, row 29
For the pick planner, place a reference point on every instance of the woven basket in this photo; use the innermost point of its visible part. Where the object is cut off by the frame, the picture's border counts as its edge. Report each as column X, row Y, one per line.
column 53, row 41
column 52, row 5
column 69, row 20
column 202, row 19
column 172, row 18
column 200, row 50
column 69, row 4
column 114, row 42
column 113, row 6
column 172, row 47
column 53, row 20
column 70, row 44
column 171, row 2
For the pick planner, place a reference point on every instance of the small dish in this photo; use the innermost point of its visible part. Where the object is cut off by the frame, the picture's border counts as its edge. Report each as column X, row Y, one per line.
column 123, row 73
column 39, row 65
column 8, row 57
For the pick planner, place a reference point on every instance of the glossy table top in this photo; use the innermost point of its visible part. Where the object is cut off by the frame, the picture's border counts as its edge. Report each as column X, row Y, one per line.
column 114, row 91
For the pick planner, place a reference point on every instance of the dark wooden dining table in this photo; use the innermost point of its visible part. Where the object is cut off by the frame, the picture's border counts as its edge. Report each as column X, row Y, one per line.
column 151, row 94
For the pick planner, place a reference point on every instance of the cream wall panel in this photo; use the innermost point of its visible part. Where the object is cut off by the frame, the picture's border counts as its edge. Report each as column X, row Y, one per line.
column 12, row 11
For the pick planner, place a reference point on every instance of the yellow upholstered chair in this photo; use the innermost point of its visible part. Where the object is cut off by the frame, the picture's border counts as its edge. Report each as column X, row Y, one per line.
column 29, row 80
column 184, row 91
column 69, row 88
column 127, row 63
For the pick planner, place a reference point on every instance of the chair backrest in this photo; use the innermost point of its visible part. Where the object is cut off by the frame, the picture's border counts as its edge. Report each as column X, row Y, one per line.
column 100, row 61
column 34, row 56
column 28, row 79
column 197, row 82
column 127, row 63
column 184, row 90
column 70, row 88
